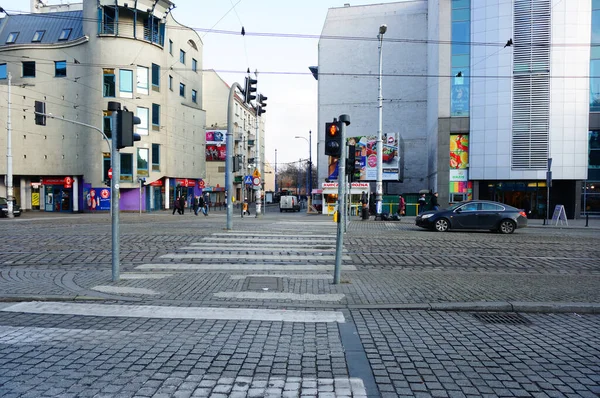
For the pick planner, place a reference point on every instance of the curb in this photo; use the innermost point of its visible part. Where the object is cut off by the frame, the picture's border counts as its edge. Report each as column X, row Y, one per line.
column 475, row 306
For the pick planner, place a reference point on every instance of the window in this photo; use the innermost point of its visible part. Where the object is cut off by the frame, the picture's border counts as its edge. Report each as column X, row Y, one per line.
column 126, row 167
column 155, row 75
column 142, row 128
column 142, row 162
column 107, row 123
column 107, row 16
column 29, row 69
column 64, row 35
column 469, row 207
column 60, row 68
column 106, row 165
column 182, row 56
column 194, row 65
column 38, row 36
column 12, row 37
column 40, row 107
column 491, row 207
column 171, row 47
column 182, row 90
column 194, row 96
column 170, row 82
column 126, row 82
column 142, row 80
column 108, row 88
column 155, row 114
column 3, row 73
column 155, row 157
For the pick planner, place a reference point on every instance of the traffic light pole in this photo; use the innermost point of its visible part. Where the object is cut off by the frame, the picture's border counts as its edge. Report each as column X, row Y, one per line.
column 115, row 160
column 341, row 220
column 229, row 156
column 258, row 164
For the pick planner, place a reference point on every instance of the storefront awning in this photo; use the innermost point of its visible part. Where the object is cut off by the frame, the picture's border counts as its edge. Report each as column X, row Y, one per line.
column 155, row 182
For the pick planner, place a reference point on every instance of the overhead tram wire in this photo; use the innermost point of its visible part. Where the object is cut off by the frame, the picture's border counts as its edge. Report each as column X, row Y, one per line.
column 311, row 36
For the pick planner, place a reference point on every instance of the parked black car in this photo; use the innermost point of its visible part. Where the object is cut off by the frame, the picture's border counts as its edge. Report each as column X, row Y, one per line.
column 474, row 214
column 4, row 208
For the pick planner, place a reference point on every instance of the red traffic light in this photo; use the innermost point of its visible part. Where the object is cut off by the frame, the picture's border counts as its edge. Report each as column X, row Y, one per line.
column 333, row 129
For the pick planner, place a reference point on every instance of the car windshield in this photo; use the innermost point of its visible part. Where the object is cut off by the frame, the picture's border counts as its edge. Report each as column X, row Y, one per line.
column 3, row 201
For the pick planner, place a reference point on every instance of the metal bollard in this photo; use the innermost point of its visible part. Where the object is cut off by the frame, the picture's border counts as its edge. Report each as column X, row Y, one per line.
column 587, row 219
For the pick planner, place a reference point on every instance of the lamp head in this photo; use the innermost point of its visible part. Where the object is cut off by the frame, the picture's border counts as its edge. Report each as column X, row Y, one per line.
column 382, row 29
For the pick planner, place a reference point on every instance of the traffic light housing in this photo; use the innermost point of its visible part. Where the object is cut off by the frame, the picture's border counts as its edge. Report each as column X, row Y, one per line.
column 249, row 90
column 260, row 109
column 125, row 123
column 333, row 139
column 351, row 162
column 237, row 163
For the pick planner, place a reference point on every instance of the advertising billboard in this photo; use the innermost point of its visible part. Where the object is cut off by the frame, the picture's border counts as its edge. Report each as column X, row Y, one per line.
column 216, row 150
column 366, row 157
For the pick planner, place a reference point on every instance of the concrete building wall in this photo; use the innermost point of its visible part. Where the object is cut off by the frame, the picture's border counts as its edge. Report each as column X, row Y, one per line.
column 348, row 79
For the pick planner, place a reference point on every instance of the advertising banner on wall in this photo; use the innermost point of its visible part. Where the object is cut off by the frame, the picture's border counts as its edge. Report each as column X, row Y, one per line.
column 366, row 157
column 216, row 150
column 459, row 151
column 96, row 198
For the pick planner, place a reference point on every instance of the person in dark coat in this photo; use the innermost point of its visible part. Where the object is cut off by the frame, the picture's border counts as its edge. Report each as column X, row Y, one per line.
column 434, row 202
column 181, row 204
column 176, row 206
column 422, row 202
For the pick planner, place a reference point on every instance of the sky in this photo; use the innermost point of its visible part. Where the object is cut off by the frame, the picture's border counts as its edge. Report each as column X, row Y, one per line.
column 282, row 62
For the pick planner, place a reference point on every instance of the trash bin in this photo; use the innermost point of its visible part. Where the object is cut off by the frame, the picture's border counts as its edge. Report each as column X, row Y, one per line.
column 365, row 212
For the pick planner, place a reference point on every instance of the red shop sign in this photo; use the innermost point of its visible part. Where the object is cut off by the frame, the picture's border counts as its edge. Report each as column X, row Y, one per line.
column 201, row 183
column 157, row 183
column 58, row 181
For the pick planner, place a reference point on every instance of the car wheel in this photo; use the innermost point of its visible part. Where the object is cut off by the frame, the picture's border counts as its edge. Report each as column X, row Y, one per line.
column 442, row 225
column 507, row 227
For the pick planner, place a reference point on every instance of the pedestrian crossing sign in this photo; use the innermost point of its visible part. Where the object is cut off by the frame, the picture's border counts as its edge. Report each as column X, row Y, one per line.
column 248, row 180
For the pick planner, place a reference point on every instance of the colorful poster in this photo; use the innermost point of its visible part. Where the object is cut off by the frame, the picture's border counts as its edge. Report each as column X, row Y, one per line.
column 366, row 157
column 459, row 151
column 216, row 150
column 96, row 198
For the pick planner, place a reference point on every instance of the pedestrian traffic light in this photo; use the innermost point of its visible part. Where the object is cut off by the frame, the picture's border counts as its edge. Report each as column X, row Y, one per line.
column 260, row 109
column 333, row 139
column 350, row 162
column 125, row 123
column 249, row 90
column 237, row 163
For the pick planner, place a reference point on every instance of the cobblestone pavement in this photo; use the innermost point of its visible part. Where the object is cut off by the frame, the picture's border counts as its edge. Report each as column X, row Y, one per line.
column 173, row 264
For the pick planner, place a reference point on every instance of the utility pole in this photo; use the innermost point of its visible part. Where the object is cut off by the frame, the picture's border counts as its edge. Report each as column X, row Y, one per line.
column 229, row 155
column 379, row 182
column 9, row 163
column 115, row 160
column 275, row 170
column 339, row 250
column 258, row 160
column 309, row 194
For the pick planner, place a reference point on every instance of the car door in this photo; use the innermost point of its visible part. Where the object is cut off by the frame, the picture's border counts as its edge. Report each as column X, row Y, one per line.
column 465, row 216
column 489, row 215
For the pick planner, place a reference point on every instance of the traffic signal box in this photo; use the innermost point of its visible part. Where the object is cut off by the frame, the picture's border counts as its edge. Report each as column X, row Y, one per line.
column 333, row 139
column 125, row 123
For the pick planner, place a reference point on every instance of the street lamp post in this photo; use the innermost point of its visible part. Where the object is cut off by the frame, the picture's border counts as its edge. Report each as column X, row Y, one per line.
column 379, row 182
column 309, row 174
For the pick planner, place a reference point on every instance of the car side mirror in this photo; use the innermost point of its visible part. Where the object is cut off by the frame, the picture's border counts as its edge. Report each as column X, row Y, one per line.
column 458, row 210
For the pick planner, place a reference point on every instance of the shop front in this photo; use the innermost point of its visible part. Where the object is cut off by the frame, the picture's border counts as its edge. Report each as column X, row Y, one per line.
column 330, row 196
column 528, row 195
column 58, row 194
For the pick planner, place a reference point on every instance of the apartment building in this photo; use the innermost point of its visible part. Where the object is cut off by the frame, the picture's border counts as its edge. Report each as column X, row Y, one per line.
column 71, row 60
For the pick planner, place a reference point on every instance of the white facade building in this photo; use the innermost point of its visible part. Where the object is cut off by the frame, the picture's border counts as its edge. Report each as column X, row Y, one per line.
column 74, row 62
column 483, row 94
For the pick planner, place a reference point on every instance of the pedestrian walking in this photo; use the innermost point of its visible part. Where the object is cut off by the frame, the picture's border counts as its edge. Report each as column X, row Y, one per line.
column 245, row 207
column 196, row 205
column 176, row 205
column 207, row 202
column 401, row 206
column 182, row 204
column 421, row 202
column 202, row 205
column 364, row 201
column 434, row 202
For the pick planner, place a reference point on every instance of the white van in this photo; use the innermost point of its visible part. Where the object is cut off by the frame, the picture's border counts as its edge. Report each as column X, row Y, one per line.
column 289, row 203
